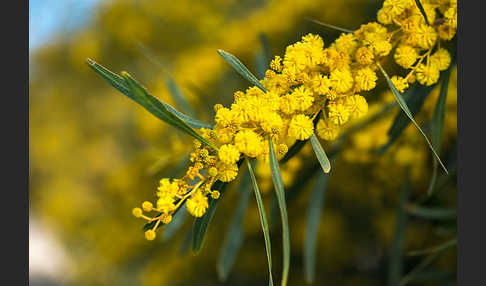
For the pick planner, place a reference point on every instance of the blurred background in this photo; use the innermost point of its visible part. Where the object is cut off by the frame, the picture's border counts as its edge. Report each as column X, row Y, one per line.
column 94, row 154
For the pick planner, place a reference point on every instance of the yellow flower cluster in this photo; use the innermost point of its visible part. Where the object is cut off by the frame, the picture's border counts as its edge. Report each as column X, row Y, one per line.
column 418, row 41
column 310, row 83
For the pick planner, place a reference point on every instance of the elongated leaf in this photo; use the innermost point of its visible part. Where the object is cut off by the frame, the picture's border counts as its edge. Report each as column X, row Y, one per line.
column 201, row 224
column 414, row 97
column 279, row 190
column 241, row 69
column 395, row 266
column 437, row 125
column 331, row 26
column 314, row 210
column 320, row 154
column 157, row 108
column 263, row 221
column 421, row 8
column 234, row 236
column 436, row 213
column 443, row 246
column 404, row 107
column 121, row 85
column 178, row 96
column 294, row 150
column 177, row 222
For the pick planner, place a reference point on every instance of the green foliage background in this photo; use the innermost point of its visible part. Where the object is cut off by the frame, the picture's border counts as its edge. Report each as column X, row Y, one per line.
column 94, row 155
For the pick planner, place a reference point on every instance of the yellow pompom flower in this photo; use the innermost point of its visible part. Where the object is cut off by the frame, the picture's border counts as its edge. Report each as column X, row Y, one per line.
column 166, row 218
column 405, row 56
column 301, row 127
column 147, row 206
column 427, row 74
column 228, row 154
column 346, row 43
column 165, row 204
column 341, row 80
column 441, row 58
column 326, row 130
column 338, row 113
column 272, row 123
column 275, row 64
column 197, row 204
column 150, row 234
column 426, row 36
column 224, row 117
column 396, row 7
column 166, row 188
column 384, row 16
column 227, row 172
column 357, row 105
column 248, row 143
column 301, row 99
column 213, row 172
column 365, row 79
column 400, row 83
column 137, row 212
column 215, row 195
column 364, row 56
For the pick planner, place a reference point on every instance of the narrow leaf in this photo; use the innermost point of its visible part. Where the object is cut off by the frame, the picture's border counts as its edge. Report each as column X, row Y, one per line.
column 404, row 107
column 176, row 223
column 443, row 246
column 263, row 221
column 437, row 125
column 395, row 266
column 314, row 210
column 330, row 26
column 234, row 235
column 294, row 150
column 157, row 108
column 320, row 154
column 121, row 85
column 279, row 190
column 421, row 8
column 201, row 224
column 241, row 69
column 436, row 213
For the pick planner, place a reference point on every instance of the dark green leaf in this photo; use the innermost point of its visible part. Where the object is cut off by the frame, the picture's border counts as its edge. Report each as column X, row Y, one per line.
column 320, row 154
column 241, row 69
column 294, row 150
column 262, row 57
column 421, row 8
column 404, row 107
column 234, row 236
column 177, row 222
column 201, row 224
column 395, row 265
column 279, row 190
column 434, row 213
column 437, row 125
column 263, row 221
column 443, row 246
column 314, row 210
column 330, row 26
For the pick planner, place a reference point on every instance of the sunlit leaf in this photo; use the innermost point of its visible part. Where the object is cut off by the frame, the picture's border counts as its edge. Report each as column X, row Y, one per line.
column 320, row 154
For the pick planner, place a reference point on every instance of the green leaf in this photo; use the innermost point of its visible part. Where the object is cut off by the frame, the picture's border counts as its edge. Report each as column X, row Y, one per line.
column 437, row 125
column 396, row 253
column 320, row 154
column 241, row 69
column 178, row 96
column 404, row 107
column 263, row 221
column 414, row 97
column 234, row 236
column 330, row 26
column 421, row 8
column 434, row 213
column 121, row 85
column 443, row 246
column 294, row 150
column 279, row 190
column 201, row 224
column 314, row 210
column 176, row 223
